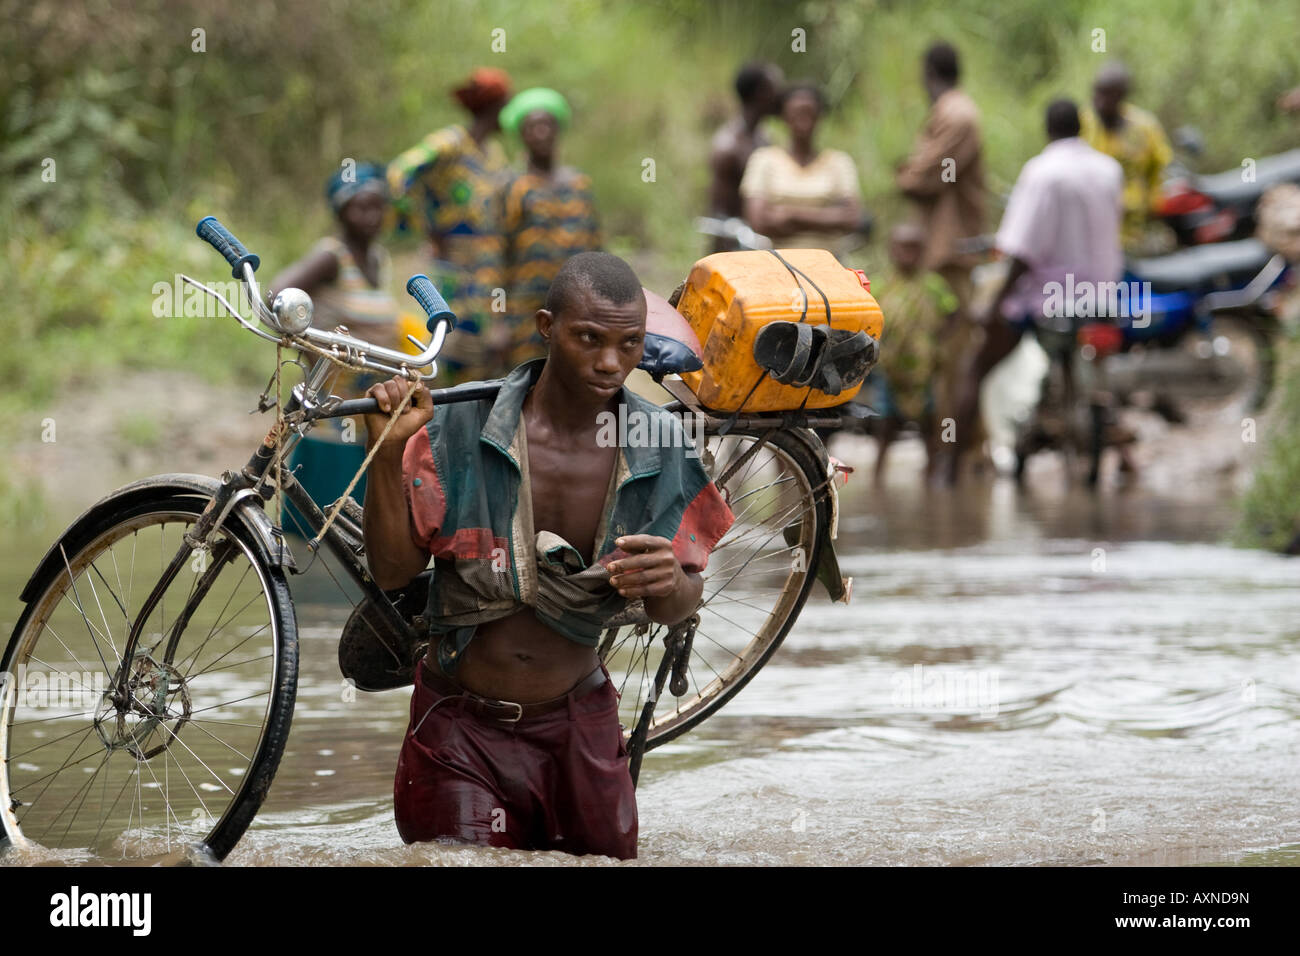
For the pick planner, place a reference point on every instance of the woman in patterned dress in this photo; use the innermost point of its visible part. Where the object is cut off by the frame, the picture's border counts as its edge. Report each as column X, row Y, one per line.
column 448, row 185
column 548, row 214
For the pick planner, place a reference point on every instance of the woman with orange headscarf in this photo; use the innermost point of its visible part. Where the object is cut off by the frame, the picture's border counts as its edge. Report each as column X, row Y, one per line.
column 448, row 185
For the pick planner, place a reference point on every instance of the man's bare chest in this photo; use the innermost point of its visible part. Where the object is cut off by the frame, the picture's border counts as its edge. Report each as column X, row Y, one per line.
column 568, row 487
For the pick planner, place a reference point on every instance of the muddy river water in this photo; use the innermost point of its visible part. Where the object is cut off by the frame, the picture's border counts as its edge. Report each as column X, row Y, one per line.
column 1045, row 678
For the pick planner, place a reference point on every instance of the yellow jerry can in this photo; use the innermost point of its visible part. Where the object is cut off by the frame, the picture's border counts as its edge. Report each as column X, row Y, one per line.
column 779, row 331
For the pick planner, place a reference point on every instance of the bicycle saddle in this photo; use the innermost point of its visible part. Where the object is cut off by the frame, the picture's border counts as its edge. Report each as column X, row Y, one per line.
column 671, row 345
column 1203, row 268
column 1229, row 189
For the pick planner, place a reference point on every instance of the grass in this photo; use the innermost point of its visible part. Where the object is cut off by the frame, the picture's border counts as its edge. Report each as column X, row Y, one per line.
column 1270, row 508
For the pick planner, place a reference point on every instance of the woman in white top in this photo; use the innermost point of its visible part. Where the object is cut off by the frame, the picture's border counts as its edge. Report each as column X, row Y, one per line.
column 802, row 196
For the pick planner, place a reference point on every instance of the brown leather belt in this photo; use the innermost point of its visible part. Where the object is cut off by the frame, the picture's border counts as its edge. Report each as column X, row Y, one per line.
column 508, row 710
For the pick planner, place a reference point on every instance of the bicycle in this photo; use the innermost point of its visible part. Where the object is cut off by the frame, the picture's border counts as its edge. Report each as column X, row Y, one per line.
column 181, row 718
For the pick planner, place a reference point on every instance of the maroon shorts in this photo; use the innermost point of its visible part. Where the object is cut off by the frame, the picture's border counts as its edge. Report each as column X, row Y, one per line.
column 557, row 781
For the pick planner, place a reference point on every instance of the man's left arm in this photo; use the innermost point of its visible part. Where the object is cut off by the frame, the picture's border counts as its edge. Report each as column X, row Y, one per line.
column 666, row 572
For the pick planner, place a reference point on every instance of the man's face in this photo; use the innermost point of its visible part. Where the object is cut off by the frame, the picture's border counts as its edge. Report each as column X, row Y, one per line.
column 538, row 131
column 595, row 344
column 1107, row 97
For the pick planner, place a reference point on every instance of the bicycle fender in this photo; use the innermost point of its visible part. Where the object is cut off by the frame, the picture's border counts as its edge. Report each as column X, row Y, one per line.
column 837, row 585
column 269, row 542
column 828, row 572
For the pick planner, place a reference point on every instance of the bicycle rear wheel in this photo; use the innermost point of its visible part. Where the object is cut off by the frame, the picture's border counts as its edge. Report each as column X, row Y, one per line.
column 757, row 580
column 183, row 748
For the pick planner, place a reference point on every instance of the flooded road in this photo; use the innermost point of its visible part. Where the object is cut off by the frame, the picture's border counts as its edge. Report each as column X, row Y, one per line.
column 1053, row 678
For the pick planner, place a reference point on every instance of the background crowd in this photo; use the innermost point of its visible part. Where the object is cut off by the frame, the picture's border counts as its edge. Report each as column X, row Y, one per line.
column 495, row 234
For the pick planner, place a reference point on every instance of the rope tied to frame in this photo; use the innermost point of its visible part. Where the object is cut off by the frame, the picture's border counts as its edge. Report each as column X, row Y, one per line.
column 341, row 362
column 412, row 384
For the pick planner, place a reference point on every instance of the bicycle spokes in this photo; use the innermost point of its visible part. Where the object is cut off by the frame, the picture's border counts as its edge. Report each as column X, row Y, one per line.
column 141, row 692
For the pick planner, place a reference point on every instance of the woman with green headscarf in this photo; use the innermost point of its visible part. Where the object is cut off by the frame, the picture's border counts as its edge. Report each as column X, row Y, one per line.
column 548, row 215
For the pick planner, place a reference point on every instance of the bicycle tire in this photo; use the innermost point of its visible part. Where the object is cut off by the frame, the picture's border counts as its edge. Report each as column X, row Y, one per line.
column 813, row 477
column 83, row 547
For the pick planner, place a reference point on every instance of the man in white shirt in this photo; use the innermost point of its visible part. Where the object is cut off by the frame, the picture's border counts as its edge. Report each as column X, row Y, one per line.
column 1061, row 231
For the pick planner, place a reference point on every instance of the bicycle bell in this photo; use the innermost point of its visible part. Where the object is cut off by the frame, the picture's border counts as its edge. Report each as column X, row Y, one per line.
column 292, row 308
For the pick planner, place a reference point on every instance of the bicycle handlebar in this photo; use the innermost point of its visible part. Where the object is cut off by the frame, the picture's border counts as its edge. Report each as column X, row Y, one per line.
column 244, row 263
column 465, row 392
column 211, row 231
column 422, row 290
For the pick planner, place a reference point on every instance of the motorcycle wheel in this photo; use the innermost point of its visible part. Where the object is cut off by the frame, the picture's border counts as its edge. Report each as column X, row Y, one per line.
column 1237, row 359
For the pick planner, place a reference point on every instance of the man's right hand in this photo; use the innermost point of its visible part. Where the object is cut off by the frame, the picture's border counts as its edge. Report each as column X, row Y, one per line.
column 415, row 416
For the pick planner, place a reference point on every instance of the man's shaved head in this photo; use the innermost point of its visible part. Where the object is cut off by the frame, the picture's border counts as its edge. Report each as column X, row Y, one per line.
column 1109, row 88
column 600, row 273
column 1113, row 76
column 1062, row 119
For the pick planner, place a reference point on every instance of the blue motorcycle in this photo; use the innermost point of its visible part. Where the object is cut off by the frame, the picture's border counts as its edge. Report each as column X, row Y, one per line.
column 1193, row 335
column 1204, row 340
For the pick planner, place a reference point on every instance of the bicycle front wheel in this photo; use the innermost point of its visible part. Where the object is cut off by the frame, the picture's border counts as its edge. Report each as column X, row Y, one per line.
column 130, row 756
column 756, row 582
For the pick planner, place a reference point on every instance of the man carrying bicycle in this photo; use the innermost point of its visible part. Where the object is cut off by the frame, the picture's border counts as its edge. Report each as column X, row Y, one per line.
column 539, row 534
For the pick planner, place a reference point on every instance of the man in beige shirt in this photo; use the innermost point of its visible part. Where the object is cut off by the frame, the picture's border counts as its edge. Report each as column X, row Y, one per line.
column 944, row 176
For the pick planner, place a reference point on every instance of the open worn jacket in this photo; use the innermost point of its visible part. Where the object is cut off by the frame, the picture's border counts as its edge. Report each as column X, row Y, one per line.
column 466, row 481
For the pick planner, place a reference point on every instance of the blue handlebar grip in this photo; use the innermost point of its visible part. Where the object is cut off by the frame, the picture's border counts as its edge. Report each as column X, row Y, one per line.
column 435, row 307
column 219, row 237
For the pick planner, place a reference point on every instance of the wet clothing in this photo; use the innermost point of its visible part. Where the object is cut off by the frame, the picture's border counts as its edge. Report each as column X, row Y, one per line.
column 944, row 175
column 1143, row 152
column 448, row 185
column 556, row 781
column 466, row 481
column 1063, row 220
column 912, row 353
column 774, row 176
column 545, row 220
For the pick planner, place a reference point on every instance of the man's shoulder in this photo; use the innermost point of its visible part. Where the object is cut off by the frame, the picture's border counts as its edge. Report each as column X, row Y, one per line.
column 1139, row 117
column 956, row 107
column 455, row 423
column 1103, row 165
column 726, row 136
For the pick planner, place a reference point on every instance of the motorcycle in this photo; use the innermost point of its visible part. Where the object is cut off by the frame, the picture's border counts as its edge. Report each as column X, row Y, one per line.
column 1203, row 209
column 1195, row 332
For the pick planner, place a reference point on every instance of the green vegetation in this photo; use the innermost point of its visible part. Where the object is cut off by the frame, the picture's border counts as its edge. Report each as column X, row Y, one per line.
column 147, row 133
column 1270, row 511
